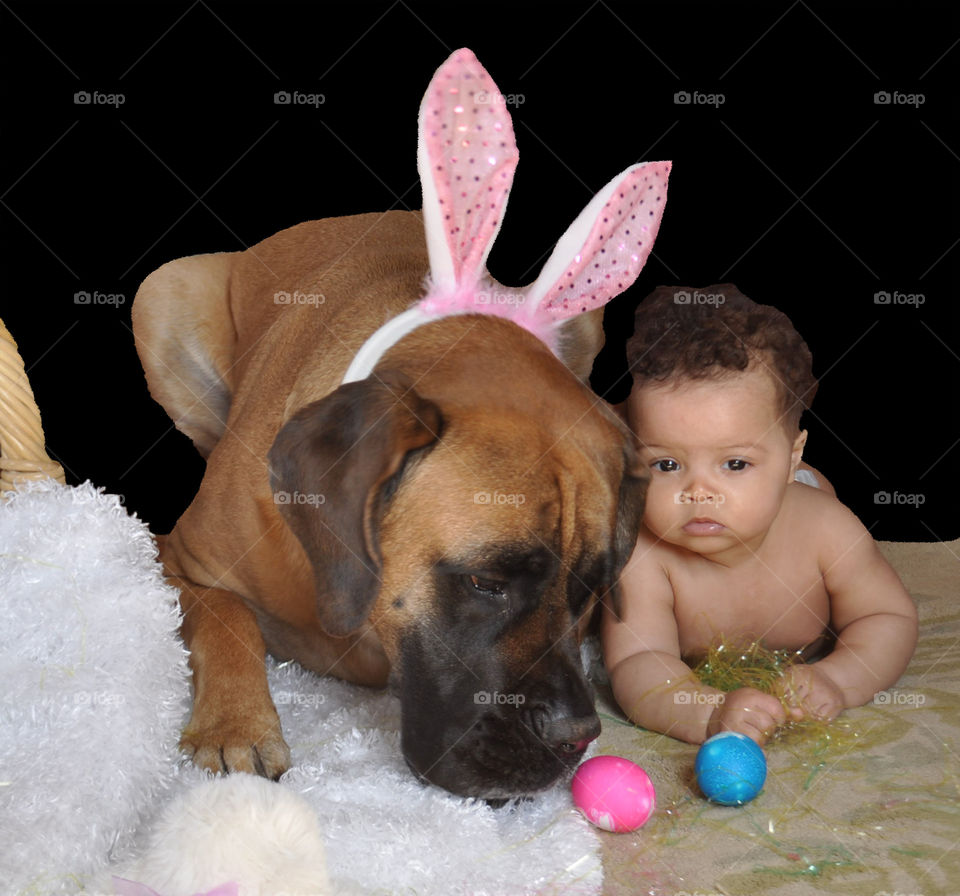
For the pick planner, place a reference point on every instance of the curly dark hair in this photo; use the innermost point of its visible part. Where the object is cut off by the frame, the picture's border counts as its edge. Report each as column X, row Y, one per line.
column 681, row 332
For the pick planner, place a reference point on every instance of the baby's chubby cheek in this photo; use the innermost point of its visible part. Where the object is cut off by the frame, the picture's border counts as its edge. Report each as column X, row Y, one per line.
column 664, row 512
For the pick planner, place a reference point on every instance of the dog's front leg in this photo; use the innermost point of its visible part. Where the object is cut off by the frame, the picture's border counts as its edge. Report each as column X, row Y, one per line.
column 234, row 725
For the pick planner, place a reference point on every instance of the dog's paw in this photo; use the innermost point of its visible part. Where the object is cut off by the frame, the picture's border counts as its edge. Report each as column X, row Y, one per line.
column 253, row 745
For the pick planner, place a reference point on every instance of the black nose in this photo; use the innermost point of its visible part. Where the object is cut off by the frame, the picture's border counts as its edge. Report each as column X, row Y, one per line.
column 564, row 733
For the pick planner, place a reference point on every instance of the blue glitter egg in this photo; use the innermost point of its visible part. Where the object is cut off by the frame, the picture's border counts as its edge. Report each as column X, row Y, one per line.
column 730, row 769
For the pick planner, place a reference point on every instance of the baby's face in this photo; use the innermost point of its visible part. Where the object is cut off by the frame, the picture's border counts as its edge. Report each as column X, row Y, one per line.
column 720, row 459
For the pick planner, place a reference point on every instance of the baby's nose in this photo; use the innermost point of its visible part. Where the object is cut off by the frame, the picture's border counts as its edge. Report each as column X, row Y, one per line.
column 699, row 493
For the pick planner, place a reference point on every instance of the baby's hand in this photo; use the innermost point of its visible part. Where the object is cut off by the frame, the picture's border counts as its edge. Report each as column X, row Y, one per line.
column 811, row 694
column 748, row 711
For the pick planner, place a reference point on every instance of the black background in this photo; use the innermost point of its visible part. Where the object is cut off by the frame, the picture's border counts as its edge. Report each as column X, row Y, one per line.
column 800, row 188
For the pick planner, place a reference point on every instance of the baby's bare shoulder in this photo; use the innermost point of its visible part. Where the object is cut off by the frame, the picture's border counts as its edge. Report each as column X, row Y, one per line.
column 826, row 522
column 806, row 503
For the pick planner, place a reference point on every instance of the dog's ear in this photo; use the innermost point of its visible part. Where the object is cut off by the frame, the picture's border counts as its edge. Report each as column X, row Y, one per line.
column 333, row 467
column 580, row 340
column 630, row 505
column 186, row 340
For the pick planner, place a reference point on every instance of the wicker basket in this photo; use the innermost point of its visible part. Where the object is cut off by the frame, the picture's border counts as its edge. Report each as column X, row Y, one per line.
column 22, row 453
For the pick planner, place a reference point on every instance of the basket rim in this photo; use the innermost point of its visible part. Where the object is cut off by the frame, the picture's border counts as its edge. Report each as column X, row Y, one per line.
column 23, row 454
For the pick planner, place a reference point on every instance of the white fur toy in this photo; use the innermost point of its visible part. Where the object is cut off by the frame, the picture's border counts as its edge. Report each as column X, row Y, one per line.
column 240, row 830
column 94, row 683
column 95, row 692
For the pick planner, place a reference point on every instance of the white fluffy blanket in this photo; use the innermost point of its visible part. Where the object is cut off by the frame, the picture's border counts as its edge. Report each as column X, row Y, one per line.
column 95, row 691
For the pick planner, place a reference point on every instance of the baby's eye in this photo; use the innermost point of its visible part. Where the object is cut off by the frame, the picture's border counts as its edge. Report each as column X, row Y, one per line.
column 737, row 464
column 665, row 466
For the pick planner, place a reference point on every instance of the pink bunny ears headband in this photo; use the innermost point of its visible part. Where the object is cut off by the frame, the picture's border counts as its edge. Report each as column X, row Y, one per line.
column 466, row 157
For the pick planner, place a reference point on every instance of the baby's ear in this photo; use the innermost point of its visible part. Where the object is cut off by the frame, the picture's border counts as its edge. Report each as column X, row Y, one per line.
column 796, row 455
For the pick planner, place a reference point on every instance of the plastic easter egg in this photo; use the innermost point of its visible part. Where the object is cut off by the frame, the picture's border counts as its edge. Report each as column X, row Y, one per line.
column 730, row 769
column 613, row 793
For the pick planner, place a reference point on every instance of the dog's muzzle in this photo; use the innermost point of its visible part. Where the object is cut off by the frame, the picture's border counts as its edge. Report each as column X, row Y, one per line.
column 505, row 744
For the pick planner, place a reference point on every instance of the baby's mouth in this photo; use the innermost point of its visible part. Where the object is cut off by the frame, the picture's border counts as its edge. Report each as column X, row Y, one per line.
column 703, row 526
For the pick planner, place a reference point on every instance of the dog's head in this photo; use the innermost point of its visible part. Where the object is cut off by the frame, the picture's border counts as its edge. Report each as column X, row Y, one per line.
column 472, row 528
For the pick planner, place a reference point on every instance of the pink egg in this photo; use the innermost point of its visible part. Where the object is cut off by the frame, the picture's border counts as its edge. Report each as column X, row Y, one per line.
column 613, row 793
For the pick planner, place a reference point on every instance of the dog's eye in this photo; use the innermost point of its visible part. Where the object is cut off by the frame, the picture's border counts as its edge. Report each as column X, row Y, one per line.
column 487, row 587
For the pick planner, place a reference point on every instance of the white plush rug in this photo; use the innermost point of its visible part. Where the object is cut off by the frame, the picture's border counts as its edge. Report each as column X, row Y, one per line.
column 387, row 833
column 94, row 694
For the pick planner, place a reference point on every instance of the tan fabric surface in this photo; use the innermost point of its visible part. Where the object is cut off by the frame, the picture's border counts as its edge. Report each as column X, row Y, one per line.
column 875, row 811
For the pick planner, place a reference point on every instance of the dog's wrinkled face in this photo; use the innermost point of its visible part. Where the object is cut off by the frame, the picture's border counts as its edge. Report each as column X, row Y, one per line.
column 494, row 548
column 473, row 538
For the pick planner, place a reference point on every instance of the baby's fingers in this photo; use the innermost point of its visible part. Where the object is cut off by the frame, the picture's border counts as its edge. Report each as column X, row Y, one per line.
column 749, row 712
column 761, row 721
column 810, row 695
column 794, row 688
column 824, row 710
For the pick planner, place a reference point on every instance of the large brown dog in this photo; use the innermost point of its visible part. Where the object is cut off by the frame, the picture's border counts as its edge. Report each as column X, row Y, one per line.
column 440, row 525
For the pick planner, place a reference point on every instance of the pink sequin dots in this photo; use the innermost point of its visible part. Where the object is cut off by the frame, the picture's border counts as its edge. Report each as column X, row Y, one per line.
column 473, row 155
column 618, row 244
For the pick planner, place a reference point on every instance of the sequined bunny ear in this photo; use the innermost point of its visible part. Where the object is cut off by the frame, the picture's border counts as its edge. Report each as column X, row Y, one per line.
column 466, row 157
column 603, row 251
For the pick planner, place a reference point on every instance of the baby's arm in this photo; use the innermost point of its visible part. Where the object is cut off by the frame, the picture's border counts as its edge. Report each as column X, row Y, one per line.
column 650, row 681
column 873, row 615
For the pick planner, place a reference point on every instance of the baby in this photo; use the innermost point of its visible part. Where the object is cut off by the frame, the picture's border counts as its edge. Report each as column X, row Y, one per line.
column 739, row 540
